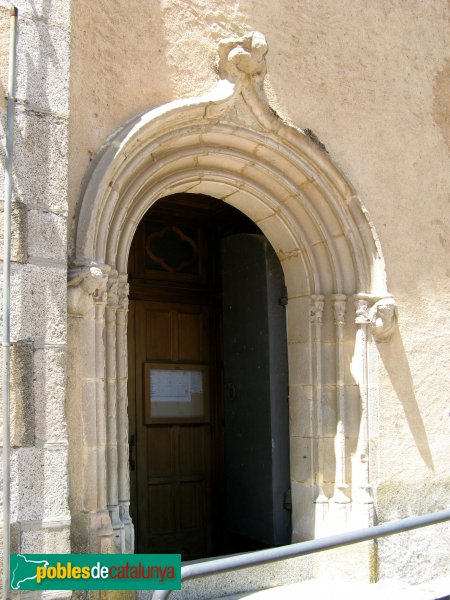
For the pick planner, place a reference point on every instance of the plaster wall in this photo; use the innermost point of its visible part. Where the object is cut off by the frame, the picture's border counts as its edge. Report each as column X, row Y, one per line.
column 370, row 80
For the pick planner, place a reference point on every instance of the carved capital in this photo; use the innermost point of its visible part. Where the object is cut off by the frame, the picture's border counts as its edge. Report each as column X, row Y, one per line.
column 85, row 286
column 243, row 57
column 339, row 308
column 383, row 318
column 362, row 303
column 316, row 310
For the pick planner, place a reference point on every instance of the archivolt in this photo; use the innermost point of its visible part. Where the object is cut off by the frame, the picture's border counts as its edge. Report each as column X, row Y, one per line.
column 229, row 144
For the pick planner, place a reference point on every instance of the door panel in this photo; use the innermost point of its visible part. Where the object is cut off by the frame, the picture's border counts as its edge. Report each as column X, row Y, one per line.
column 256, row 390
column 173, row 460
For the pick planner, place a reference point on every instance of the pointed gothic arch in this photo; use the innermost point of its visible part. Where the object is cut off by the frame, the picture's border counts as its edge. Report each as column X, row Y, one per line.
column 230, row 145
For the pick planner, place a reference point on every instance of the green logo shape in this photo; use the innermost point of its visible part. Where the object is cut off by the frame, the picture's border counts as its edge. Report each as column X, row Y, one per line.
column 95, row 571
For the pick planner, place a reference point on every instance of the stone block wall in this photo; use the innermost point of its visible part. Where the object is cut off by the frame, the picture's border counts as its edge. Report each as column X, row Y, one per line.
column 39, row 477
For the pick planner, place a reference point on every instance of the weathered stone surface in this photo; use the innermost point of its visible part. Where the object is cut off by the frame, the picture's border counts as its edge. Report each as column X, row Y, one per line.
column 43, row 55
column 50, row 395
column 19, row 221
column 47, row 236
column 48, row 539
column 40, row 159
column 39, row 484
column 38, row 303
column 21, row 394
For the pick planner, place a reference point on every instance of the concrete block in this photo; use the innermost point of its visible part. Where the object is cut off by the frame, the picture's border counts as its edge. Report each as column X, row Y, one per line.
column 39, row 304
column 18, row 231
column 50, row 394
column 39, row 484
column 43, row 62
column 47, row 236
column 40, row 159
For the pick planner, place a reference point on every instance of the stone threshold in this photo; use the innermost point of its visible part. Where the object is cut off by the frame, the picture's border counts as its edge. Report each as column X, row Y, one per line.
column 438, row 589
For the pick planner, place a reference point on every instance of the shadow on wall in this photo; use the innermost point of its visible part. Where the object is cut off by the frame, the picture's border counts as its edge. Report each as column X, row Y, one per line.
column 396, row 364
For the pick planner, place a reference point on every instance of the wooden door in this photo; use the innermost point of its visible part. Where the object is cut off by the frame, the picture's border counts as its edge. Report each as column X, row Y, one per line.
column 177, row 463
column 256, row 391
column 173, row 453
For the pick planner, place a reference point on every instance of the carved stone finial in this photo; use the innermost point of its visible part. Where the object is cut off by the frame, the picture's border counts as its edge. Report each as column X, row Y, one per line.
column 383, row 319
column 339, row 308
column 316, row 310
column 85, row 284
column 244, row 56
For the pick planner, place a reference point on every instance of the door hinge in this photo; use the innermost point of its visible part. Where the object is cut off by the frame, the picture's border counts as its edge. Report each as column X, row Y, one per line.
column 287, row 501
column 284, row 296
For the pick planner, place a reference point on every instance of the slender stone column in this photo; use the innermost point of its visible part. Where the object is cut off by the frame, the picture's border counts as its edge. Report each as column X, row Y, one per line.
column 111, row 411
column 122, row 414
column 362, row 320
column 339, row 308
column 86, row 410
column 316, row 313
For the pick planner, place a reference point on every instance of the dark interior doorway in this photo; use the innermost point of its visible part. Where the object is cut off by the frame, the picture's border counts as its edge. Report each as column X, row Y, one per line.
column 208, row 397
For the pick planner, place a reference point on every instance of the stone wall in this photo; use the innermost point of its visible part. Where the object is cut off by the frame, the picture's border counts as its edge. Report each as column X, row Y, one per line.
column 39, row 479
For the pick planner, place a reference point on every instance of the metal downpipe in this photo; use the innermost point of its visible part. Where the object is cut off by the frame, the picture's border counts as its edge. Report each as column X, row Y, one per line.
column 6, row 341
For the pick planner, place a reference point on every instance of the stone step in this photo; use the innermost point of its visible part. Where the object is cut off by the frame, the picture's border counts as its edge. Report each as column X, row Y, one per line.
column 438, row 589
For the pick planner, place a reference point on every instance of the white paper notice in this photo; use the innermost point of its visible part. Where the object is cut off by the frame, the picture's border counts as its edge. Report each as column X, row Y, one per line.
column 174, row 386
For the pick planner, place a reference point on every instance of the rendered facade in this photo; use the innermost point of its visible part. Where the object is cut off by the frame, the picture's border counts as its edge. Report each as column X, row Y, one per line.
column 326, row 124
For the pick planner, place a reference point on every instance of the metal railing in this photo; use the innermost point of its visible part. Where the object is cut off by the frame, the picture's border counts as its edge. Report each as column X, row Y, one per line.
column 241, row 561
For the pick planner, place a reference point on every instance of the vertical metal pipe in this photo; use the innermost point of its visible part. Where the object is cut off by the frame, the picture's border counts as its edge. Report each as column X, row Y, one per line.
column 6, row 341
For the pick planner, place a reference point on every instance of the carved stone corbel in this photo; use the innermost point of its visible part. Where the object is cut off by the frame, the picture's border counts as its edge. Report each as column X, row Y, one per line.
column 383, row 318
column 85, row 285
